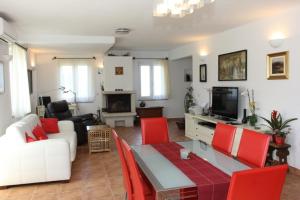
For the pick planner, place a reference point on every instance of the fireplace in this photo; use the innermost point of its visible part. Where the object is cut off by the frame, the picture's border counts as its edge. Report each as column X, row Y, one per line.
column 117, row 103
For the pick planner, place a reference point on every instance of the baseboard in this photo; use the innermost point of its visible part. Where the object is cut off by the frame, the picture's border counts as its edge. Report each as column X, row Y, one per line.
column 175, row 119
column 294, row 170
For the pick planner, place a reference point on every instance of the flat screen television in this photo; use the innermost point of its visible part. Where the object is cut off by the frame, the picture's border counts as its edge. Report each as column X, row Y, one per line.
column 225, row 102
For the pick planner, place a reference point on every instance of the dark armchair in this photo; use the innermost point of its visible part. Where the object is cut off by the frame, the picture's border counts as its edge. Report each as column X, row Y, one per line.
column 60, row 110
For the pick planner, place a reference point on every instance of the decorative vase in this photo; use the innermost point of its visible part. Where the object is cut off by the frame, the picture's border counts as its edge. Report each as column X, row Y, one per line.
column 253, row 120
column 279, row 140
column 142, row 104
column 245, row 120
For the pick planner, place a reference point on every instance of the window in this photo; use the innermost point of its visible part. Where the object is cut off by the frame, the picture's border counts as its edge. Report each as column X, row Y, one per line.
column 78, row 77
column 154, row 82
column 19, row 88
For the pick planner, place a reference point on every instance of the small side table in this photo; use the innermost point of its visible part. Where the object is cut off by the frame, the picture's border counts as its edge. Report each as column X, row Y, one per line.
column 40, row 110
column 282, row 152
column 99, row 138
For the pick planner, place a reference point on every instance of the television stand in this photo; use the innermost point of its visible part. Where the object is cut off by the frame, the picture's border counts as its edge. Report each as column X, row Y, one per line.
column 198, row 127
column 226, row 119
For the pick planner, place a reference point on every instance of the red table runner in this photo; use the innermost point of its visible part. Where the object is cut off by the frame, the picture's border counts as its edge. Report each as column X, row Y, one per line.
column 211, row 182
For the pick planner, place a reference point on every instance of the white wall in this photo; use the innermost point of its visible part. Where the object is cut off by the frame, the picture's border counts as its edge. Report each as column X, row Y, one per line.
column 281, row 95
column 47, row 71
column 174, row 106
column 113, row 81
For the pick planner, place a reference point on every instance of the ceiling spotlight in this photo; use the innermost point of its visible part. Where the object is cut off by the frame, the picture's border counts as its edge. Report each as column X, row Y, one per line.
column 122, row 31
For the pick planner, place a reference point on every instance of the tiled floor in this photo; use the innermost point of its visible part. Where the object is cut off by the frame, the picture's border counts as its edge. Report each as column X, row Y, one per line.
column 98, row 176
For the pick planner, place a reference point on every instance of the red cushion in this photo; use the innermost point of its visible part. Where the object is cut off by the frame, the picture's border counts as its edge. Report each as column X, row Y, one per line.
column 50, row 125
column 29, row 139
column 39, row 133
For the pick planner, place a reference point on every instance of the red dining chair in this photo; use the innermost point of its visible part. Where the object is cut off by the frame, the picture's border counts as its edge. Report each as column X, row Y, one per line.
column 223, row 138
column 259, row 184
column 253, row 148
column 125, row 171
column 154, row 130
column 139, row 186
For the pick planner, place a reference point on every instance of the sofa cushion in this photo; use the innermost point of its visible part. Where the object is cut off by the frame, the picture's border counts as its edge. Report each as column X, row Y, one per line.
column 39, row 133
column 29, row 139
column 50, row 125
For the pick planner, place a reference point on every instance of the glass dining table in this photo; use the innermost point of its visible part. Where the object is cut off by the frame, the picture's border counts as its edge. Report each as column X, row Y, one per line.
column 167, row 179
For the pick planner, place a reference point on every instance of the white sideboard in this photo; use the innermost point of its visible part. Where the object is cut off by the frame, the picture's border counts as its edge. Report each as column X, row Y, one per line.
column 196, row 131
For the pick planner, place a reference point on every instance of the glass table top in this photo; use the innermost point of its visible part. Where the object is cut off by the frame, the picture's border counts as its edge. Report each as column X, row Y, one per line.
column 165, row 176
column 221, row 161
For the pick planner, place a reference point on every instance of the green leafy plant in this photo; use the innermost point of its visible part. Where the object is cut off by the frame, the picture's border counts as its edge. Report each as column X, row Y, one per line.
column 188, row 99
column 277, row 125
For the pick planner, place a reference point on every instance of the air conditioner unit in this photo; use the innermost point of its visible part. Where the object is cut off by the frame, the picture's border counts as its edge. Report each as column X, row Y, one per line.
column 7, row 32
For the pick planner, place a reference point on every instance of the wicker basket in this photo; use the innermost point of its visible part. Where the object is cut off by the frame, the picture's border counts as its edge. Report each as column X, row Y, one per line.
column 99, row 138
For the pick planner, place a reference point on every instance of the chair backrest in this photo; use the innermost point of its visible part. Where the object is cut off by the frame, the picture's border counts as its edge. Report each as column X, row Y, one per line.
column 259, row 184
column 224, row 137
column 59, row 109
column 44, row 100
column 136, row 178
column 154, row 130
column 253, row 148
column 125, row 170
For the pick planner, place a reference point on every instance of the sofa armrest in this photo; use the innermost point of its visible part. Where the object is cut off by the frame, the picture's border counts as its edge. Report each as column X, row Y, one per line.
column 66, row 126
column 40, row 161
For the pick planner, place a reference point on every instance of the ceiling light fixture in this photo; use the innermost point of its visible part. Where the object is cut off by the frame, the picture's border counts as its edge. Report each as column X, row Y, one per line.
column 177, row 8
column 122, row 31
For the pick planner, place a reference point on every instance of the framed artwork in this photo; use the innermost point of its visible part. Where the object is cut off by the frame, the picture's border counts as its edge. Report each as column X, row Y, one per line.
column 119, row 71
column 188, row 75
column 233, row 66
column 1, row 78
column 203, row 73
column 277, row 65
column 29, row 72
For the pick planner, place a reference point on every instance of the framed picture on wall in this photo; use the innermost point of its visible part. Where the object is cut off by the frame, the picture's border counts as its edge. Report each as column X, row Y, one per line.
column 1, row 78
column 277, row 65
column 188, row 75
column 203, row 73
column 233, row 66
column 119, row 71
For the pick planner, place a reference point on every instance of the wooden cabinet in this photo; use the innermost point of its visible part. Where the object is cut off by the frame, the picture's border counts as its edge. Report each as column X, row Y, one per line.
column 199, row 127
column 147, row 112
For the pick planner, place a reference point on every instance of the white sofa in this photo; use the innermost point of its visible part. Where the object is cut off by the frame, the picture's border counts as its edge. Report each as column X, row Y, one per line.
column 39, row 161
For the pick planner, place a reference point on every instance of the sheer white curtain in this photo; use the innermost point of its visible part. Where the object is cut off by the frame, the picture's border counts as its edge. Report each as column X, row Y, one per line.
column 19, row 88
column 161, row 79
column 154, row 79
column 78, row 76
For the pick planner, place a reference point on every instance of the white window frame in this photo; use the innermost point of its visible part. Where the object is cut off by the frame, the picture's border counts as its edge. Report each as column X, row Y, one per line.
column 150, row 63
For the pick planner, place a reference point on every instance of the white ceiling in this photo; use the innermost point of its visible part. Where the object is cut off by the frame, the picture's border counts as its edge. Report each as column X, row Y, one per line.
column 37, row 18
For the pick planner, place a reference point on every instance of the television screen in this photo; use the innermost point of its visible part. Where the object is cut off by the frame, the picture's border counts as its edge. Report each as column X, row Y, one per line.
column 225, row 102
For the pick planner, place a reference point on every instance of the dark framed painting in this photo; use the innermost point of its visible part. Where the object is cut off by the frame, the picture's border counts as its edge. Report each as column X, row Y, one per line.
column 203, row 73
column 29, row 72
column 233, row 66
column 1, row 78
column 278, row 66
column 119, row 71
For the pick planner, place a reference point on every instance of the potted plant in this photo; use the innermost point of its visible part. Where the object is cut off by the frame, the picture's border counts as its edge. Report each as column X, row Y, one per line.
column 188, row 99
column 252, row 107
column 278, row 127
